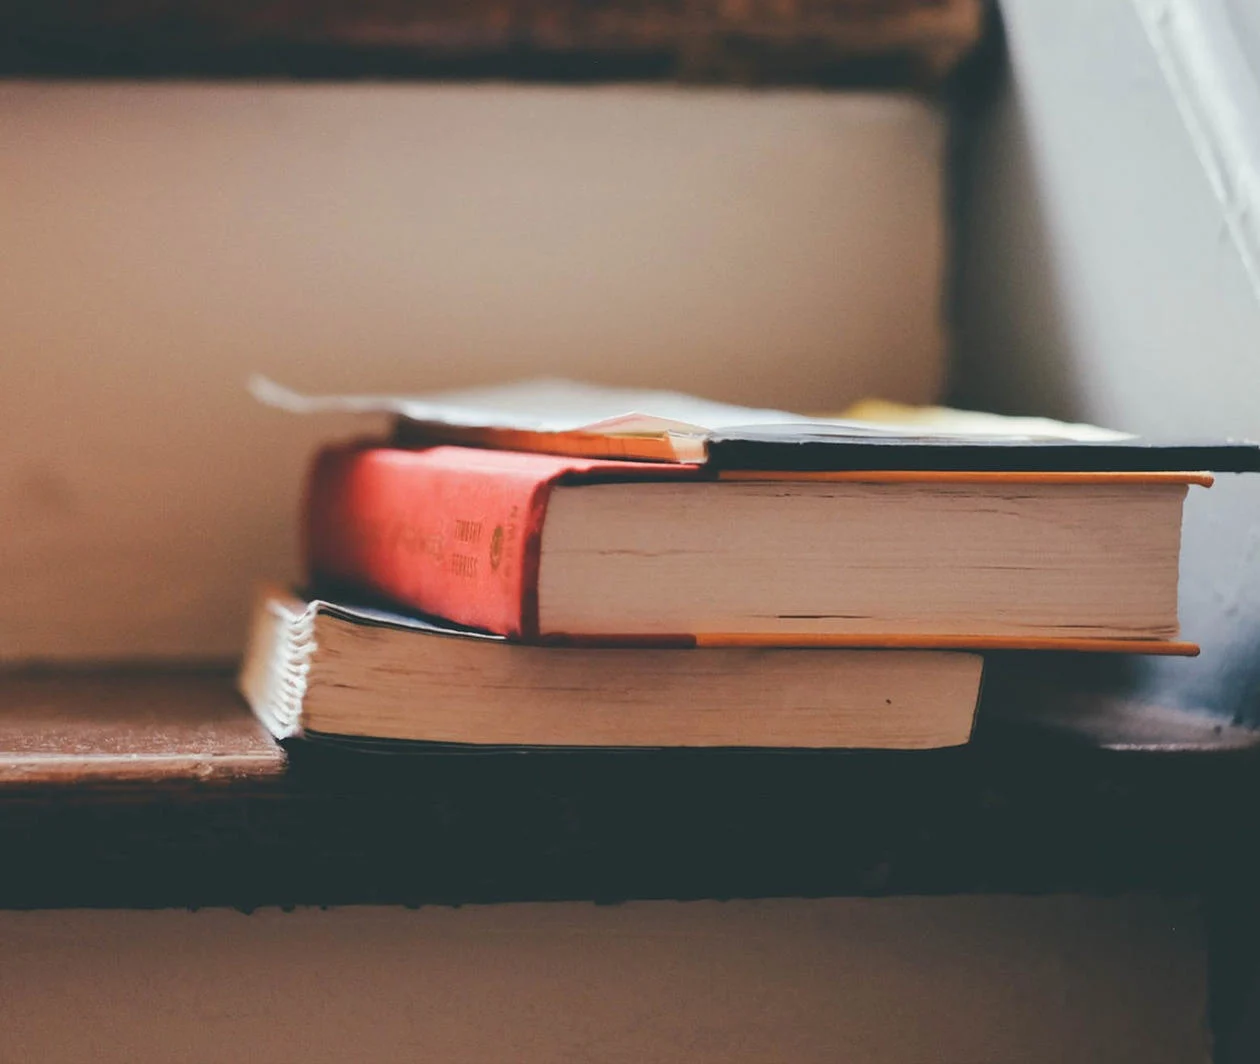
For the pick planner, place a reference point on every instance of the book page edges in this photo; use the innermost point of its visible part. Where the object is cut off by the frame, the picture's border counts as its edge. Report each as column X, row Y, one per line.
column 274, row 671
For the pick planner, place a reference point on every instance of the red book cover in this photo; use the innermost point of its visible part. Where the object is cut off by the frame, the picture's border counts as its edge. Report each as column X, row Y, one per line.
column 450, row 531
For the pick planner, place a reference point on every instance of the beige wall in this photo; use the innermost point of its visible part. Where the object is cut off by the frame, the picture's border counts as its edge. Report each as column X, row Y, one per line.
column 160, row 242
column 974, row 980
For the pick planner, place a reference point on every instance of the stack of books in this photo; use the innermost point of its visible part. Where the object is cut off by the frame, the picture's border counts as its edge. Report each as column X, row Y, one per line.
column 557, row 565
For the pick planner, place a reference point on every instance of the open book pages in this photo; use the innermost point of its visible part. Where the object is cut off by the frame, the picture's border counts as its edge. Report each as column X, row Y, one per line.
column 571, row 418
column 944, row 421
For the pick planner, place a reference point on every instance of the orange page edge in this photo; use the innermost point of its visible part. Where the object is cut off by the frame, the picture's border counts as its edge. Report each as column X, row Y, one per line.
column 1171, row 647
column 951, row 476
column 859, row 641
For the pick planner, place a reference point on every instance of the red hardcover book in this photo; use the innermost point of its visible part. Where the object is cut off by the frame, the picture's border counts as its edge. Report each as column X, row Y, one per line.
column 562, row 549
column 450, row 531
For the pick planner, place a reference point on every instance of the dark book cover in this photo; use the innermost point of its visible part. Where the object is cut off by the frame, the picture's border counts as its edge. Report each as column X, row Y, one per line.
column 814, row 447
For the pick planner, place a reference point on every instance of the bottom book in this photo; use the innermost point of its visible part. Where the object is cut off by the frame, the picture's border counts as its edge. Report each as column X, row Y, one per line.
column 317, row 667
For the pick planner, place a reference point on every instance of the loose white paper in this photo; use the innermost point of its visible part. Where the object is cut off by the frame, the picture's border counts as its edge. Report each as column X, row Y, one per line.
column 561, row 406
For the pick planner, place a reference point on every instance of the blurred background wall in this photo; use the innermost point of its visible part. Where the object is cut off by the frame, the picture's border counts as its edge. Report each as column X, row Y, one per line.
column 164, row 240
column 1106, row 272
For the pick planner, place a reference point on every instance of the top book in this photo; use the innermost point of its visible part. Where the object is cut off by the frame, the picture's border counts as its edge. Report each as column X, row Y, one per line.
column 580, row 420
